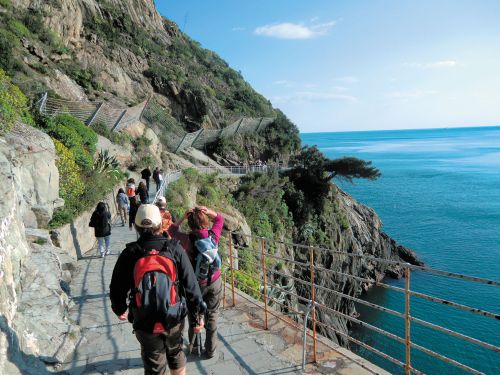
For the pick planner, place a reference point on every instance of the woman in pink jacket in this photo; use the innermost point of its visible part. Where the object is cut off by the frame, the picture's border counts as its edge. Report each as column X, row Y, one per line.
column 211, row 287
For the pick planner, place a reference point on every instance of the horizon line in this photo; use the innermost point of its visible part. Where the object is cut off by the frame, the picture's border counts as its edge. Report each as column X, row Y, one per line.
column 403, row 129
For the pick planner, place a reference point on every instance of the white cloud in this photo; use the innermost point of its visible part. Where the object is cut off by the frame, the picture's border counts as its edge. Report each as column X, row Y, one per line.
column 238, row 28
column 288, row 30
column 313, row 96
column 432, row 65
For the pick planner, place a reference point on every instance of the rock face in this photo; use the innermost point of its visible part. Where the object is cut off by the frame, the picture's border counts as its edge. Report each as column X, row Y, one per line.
column 33, row 276
column 77, row 238
column 363, row 237
column 30, row 165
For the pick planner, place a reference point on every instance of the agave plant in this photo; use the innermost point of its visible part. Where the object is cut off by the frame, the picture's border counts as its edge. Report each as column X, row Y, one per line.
column 106, row 164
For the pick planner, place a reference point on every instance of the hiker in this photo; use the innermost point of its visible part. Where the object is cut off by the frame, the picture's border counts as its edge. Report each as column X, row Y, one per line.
column 208, row 274
column 130, row 188
column 100, row 221
column 158, row 327
column 123, row 203
column 134, row 206
column 143, row 193
column 166, row 216
column 157, row 177
column 146, row 174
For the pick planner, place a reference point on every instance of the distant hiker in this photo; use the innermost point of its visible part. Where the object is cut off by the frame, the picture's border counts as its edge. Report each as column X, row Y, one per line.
column 146, row 174
column 130, row 188
column 134, row 206
column 157, row 177
column 158, row 326
column 123, row 203
column 201, row 246
column 143, row 193
column 101, row 222
column 166, row 216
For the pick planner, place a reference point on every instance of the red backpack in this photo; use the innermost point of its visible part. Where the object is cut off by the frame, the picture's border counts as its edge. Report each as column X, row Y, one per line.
column 155, row 297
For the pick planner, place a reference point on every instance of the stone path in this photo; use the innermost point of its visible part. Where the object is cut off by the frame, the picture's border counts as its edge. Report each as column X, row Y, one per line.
column 108, row 346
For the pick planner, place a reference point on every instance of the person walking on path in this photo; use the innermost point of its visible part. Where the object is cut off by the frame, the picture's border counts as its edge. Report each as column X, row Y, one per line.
column 157, row 178
column 123, row 203
column 211, row 287
column 101, row 222
column 143, row 193
column 130, row 188
column 166, row 216
column 134, row 206
column 160, row 338
column 146, row 175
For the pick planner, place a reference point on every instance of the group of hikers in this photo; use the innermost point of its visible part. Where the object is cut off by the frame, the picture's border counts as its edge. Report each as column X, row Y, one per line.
column 164, row 276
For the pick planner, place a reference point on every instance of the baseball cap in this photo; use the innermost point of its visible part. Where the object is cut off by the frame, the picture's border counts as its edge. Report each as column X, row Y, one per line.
column 161, row 202
column 148, row 216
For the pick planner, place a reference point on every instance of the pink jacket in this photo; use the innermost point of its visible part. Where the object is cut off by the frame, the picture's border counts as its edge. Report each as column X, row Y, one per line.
column 175, row 233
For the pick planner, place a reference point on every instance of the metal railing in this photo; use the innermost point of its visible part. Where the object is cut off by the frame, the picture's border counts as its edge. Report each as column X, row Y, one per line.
column 115, row 119
column 150, row 113
column 263, row 270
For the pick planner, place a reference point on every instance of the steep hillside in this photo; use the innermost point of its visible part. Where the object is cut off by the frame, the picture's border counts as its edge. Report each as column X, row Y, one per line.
column 121, row 51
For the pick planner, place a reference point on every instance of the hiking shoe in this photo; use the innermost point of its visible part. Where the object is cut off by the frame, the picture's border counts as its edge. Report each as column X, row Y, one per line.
column 102, row 255
column 107, row 252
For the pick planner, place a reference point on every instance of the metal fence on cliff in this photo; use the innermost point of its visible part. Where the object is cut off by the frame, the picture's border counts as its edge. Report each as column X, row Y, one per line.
column 151, row 113
column 274, row 289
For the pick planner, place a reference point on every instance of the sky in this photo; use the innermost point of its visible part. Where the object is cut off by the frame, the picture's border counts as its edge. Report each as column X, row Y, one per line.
column 349, row 65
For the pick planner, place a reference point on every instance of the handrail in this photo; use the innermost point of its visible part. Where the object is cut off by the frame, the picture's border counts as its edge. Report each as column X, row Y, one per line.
column 240, row 170
column 309, row 263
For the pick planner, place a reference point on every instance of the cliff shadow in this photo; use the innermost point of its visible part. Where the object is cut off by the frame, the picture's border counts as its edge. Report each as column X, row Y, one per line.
column 26, row 363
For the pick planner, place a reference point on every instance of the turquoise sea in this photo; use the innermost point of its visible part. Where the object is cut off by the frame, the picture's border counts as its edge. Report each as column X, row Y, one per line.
column 439, row 194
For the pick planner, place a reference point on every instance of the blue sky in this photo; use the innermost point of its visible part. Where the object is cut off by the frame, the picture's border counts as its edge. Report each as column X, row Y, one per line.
column 359, row 65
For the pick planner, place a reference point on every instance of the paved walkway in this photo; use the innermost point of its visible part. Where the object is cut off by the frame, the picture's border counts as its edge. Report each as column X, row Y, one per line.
column 108, row 346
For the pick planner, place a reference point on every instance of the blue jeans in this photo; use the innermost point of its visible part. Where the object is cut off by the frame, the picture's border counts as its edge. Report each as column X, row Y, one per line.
column 101, row 241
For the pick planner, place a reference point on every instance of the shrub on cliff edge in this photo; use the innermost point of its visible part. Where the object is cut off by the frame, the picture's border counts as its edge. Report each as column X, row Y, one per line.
column 13, row 104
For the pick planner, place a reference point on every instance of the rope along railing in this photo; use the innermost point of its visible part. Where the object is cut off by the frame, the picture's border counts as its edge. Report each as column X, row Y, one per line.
column 115, row 119
column 275, row 295
column 177, row 139
column 152, row 114
column 263, row 274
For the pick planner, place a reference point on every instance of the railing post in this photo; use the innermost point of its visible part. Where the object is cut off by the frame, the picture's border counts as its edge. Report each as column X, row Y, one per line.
column 119, row 120
column 313, row 299
column 263, row 257
column 94, row 115
column 231, row 265
column 238, row 127
column 407, row 321
column 224, row 292
column 43, row 101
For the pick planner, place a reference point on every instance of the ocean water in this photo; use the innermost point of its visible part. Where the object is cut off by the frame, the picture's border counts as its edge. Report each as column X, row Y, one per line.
column 439, row 194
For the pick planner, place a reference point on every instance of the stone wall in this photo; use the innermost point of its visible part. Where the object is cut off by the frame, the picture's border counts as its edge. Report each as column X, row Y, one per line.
column 34, row 328
column 77, row 238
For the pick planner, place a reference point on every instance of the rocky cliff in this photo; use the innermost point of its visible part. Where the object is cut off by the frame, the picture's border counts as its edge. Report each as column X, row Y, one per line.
column 34, row 274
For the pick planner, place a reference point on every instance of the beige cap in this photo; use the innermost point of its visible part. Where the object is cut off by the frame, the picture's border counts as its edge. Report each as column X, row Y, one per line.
column 161, row 202
column 148, row 216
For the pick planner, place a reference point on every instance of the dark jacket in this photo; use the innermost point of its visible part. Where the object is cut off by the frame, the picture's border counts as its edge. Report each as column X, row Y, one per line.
column 146, row 173
column 122, row 280
column 132, row 213
column 100, row 221
column 156, row 176
column 143, row 194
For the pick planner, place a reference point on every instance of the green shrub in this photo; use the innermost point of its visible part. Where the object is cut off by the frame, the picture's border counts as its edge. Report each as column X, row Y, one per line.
column 33, row 20
column 18, row 28
column 71, row 186
column 13, row 104
column 6, row 3
column 119, row 138
column 8, row 42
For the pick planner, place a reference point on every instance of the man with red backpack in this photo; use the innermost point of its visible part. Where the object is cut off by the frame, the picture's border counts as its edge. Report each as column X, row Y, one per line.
column 163, row 288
